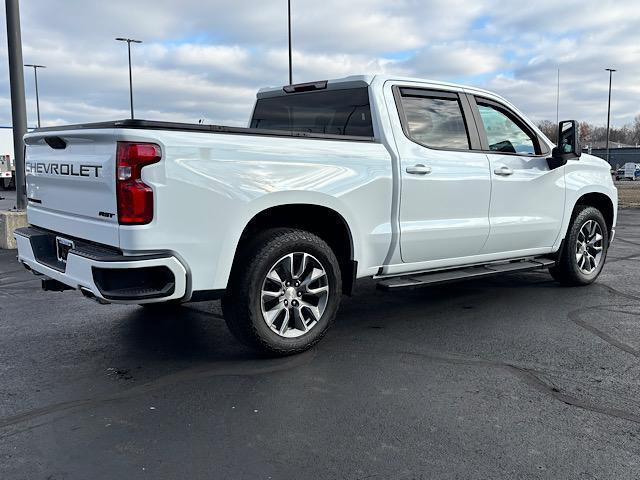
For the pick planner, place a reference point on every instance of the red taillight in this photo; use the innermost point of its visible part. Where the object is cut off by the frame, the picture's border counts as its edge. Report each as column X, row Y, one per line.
column 135, row 198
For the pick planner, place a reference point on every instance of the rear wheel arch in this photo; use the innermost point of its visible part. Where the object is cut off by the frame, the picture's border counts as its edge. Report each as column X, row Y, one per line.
column 322, row 221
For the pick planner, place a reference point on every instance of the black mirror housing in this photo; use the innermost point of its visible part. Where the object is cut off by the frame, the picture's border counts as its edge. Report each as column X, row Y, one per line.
column 568, row 144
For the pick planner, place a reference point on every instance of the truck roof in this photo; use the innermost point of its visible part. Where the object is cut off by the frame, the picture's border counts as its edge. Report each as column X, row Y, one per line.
column 354, row 81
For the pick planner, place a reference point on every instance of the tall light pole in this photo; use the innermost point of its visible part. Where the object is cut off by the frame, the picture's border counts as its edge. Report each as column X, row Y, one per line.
column 129, row 42
column 290, row 56
column 558, row 100
column 18, row 107
column 35, row 73
column 610, row 70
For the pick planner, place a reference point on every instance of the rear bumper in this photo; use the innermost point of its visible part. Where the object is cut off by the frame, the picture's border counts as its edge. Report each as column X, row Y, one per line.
column 102, row 272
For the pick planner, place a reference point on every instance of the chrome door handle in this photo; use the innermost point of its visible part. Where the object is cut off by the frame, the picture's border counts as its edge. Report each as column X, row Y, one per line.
column 419, row 169
column 503, row 171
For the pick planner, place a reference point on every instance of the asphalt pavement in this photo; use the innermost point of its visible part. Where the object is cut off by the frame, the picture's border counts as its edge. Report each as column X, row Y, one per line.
column 511, row 377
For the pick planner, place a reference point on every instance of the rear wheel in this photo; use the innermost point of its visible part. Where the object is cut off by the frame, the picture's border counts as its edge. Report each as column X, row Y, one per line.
column 585, row 249
column 284, row 291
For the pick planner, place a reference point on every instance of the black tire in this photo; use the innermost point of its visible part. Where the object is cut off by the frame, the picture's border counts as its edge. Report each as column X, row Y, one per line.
column 242, row 303
column 566, row 271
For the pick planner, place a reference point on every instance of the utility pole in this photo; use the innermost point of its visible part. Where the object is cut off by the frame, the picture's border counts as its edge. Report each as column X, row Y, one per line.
column 610, row 70
column 18, row 106
column 129, row 42
column 290, row 55
column 35, row 73
column 558, row 101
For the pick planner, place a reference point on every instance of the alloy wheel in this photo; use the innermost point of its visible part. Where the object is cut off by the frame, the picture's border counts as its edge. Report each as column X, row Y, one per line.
column 294, row 294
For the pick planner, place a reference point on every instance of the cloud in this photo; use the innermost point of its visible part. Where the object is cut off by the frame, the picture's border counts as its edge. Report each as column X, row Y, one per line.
column 207, row 59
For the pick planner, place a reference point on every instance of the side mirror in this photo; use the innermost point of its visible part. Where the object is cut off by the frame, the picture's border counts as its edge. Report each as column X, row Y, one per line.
column 568, row 144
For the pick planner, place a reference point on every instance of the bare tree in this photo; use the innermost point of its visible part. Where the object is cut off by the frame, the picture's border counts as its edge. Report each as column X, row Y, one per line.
column 585, row 133
column 595, row 134
column 635, row 139
column 549, row 129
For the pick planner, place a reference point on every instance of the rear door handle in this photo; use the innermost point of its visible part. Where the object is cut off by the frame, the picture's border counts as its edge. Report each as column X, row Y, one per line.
column 503, row 171
column 419, row 169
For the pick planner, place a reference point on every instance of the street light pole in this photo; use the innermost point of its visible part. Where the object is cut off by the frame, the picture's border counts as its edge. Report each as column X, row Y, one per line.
column 558, row 100
column 18, row 107
column 35, row 73
column 129, row 42
column 610, row 70
column 290, row 55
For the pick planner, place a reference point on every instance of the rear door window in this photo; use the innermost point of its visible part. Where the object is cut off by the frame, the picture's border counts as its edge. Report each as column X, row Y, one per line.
column 333, row 112
column 435, row 121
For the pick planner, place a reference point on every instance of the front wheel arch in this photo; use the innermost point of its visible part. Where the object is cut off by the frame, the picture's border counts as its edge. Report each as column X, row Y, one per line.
column 601, row 202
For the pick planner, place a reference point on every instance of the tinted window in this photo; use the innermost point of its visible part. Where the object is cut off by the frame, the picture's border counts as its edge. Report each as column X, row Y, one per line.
column 336, row 112
column 436, row 122
column 504, row 134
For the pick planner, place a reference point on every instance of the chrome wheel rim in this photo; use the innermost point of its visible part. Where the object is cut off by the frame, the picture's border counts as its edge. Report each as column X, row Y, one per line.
column 589, row 247
column 294, row 295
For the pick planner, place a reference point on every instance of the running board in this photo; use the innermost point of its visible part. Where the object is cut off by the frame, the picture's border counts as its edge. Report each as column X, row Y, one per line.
column 444, row 276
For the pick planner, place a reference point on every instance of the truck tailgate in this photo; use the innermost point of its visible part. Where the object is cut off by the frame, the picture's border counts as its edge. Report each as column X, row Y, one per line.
column 71, row 185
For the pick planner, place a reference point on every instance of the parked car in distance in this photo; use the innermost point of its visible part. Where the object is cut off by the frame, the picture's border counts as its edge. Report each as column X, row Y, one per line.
column 411, row 182
column 630, row 171
column 7, row 172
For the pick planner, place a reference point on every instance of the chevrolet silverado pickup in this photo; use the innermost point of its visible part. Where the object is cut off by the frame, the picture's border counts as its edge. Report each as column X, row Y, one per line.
column 410, row 182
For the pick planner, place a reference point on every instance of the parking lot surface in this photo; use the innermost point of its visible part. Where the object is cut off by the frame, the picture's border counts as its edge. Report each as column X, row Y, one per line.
column 511, row 377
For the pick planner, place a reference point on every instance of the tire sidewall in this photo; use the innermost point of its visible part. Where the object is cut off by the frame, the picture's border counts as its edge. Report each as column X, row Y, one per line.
column 583, row 216
column 321, row 251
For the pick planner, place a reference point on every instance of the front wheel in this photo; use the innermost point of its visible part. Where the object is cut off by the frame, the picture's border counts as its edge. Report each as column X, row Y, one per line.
column 585, row 249
column 284, row 291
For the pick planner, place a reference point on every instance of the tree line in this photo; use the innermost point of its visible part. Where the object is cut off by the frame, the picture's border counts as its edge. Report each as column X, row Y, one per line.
column 592, row 134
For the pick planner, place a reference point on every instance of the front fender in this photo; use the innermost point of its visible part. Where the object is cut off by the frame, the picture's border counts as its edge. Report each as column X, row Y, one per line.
column 587, row 176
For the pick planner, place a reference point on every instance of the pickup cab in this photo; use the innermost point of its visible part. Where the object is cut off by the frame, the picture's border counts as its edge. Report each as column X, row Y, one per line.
column 411, row 182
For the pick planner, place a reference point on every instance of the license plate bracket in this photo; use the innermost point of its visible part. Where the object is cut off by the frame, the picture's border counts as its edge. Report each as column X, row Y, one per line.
column 63, row 246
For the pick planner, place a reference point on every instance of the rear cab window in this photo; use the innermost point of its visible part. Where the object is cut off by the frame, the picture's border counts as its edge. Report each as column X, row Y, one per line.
column 332, row 112
column 434, row 119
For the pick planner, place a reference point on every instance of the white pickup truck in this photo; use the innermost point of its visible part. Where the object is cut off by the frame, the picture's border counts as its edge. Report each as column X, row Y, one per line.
column 411, row 182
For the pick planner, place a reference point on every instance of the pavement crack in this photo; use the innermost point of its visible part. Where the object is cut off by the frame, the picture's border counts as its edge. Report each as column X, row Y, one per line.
column 624, row 240
column 574, row 316
column 230, row 368
column 618, row 292
column 633, row 256
column 530, row 377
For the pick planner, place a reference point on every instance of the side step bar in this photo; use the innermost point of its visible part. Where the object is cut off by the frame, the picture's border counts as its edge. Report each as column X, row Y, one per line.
column 444, row 276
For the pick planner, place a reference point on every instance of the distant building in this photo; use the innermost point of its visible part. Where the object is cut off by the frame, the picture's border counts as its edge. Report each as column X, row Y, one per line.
column 617, row 156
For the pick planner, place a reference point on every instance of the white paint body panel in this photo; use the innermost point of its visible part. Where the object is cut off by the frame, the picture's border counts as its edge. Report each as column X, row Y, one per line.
column 209, row 186
column 78, row 273
column 527, row 207
column 443, row 214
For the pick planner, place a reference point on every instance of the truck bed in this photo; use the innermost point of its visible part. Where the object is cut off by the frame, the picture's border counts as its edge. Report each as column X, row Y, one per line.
column 194, row 127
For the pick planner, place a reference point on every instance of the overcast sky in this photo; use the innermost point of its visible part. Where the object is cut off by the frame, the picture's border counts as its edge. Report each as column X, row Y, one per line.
column 206, row 59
